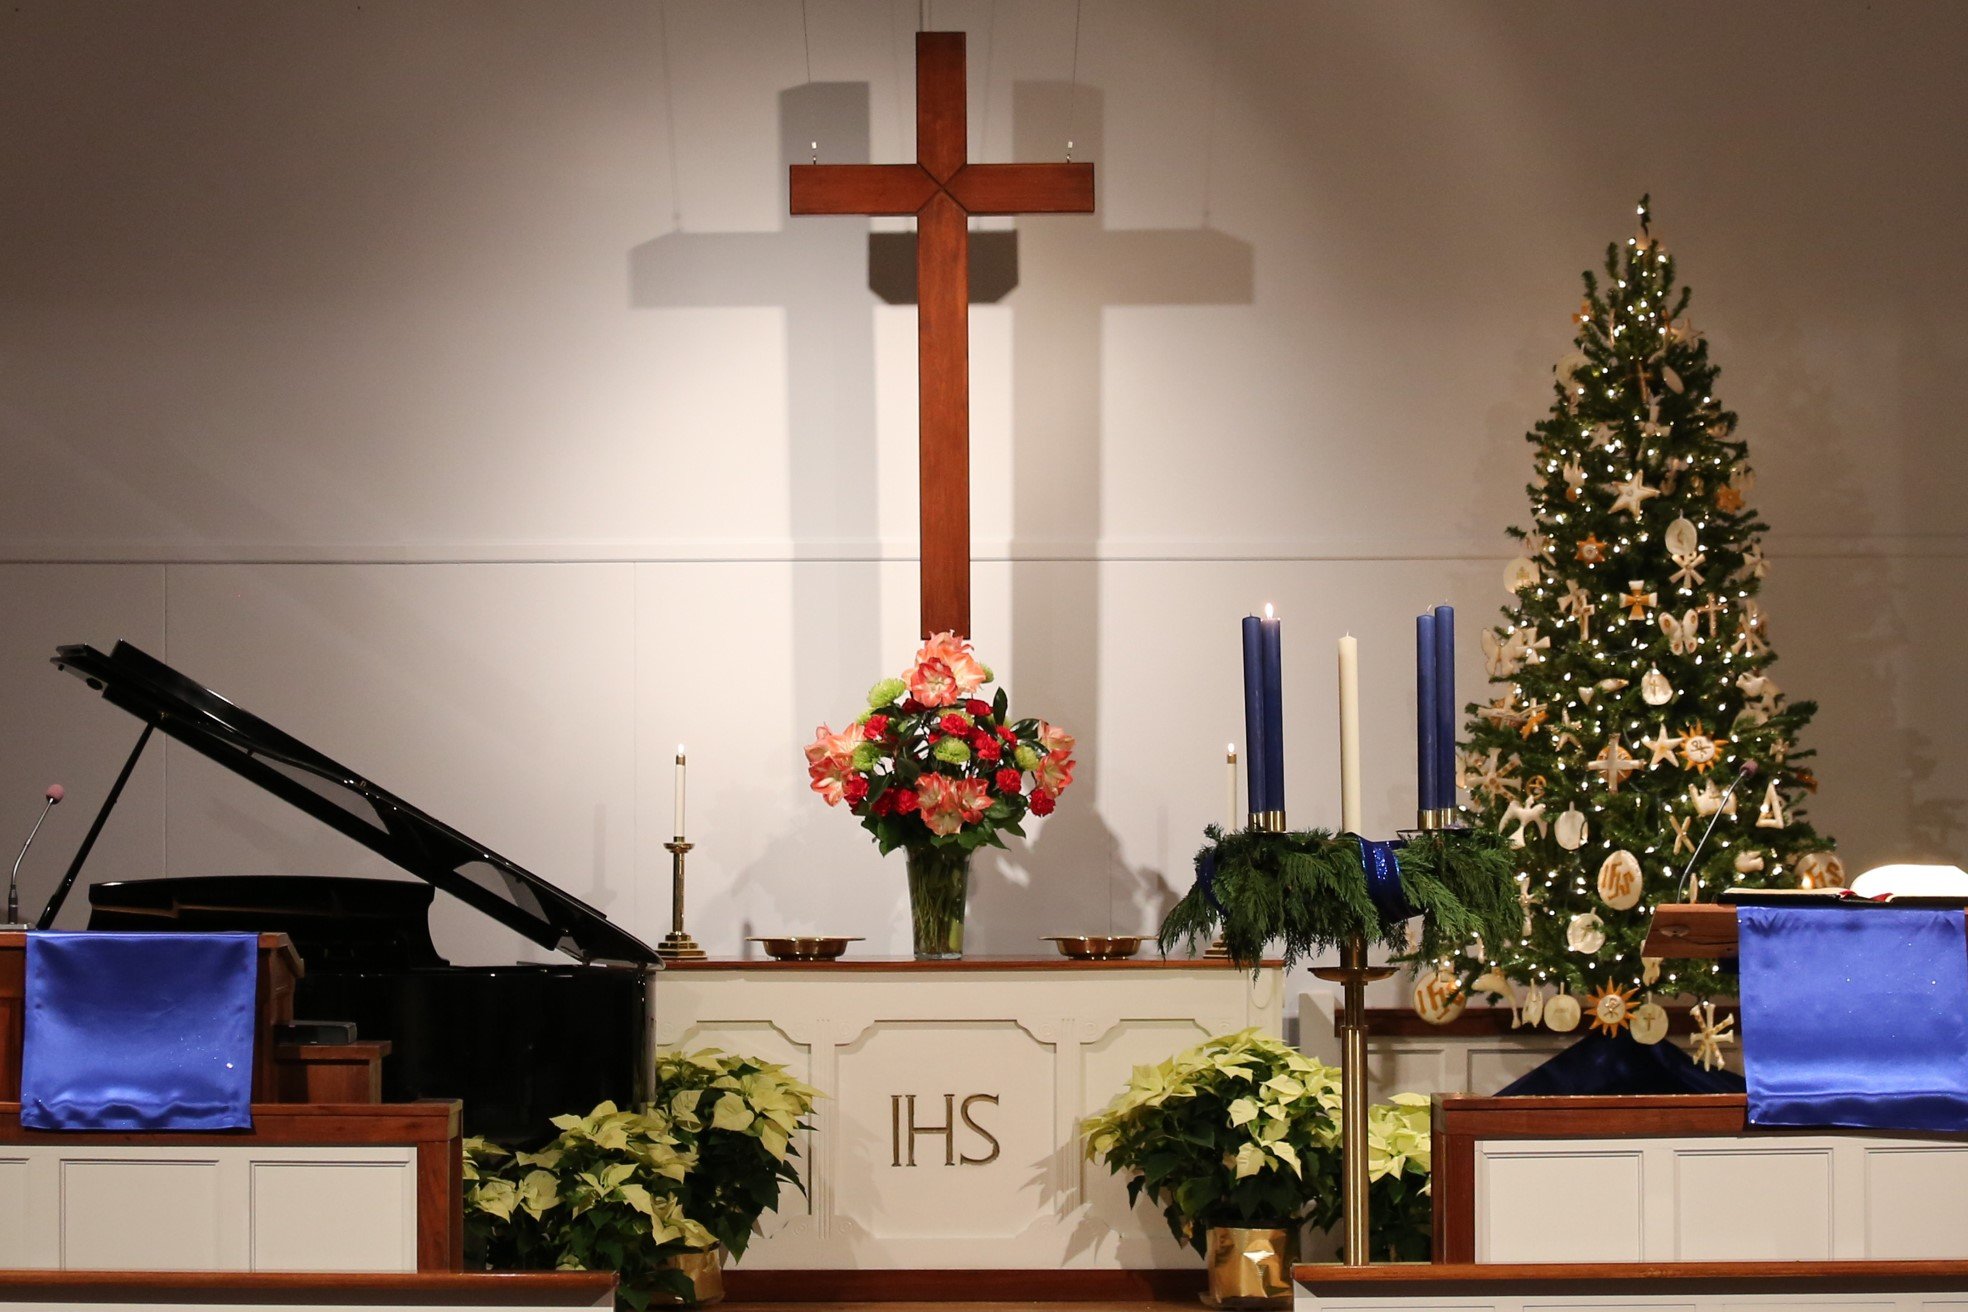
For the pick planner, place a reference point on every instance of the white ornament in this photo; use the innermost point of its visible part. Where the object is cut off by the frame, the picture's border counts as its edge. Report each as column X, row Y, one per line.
column 1820, row 870
column 1574, row 475
column 1760, row 689
column 1619, row 885
column 1661, row 748
column 1683, row 635
column 1771, row 814
column 1687, row 572
column 1613, row 764
column 1709, row 799
column 1650, row 969
column 1531, row 1010
column 1655, row 690
column 1571, row 829
column 1683, row 539
column 1569, row 368
column 1500, row 658
column 1438, row 999
column 1649, row 1023
column 1526, row 815
column 1586, row 933
column 1561, row 1014
column 1673, row 380
column 1631, row 495
column 1519, row 574
column 1748, row 861
column 1710, row 1036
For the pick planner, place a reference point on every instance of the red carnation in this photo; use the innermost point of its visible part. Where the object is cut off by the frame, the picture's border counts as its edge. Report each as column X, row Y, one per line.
column 981, row 710
column 905, row 800
column 987, row 749
column 855, row 790
column 953, row 724
column 910, row 706
column 1007, row 734
column 1008, row 780
column 884, row 804
column 1043, row 803
column 877, row 725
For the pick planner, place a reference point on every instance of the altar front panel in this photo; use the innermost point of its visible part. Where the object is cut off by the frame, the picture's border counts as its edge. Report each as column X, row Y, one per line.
column 947, row 1136
column 1685, row 1179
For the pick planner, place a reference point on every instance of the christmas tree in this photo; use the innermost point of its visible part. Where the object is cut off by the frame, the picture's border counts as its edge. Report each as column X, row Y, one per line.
column 1634, row 666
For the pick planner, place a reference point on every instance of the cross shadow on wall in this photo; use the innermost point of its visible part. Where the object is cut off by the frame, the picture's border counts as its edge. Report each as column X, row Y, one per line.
column 1072, row 267
column 820, row 270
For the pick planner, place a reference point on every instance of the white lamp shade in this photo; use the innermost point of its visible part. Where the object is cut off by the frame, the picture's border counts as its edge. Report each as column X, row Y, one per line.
column 1908, row 880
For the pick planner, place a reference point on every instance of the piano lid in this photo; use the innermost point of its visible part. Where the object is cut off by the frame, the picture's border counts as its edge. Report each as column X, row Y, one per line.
column 343, row 800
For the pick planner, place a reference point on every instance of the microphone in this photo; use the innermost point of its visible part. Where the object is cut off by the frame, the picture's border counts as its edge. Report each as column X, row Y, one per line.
column 1688, row 875
column 54, row 793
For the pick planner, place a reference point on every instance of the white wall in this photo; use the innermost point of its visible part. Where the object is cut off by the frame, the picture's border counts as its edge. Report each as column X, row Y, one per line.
column 382, row 366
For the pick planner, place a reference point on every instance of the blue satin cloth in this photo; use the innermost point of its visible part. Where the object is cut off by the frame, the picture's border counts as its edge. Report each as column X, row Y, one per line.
column 1384, row 881
column 139, row 1031
column 1855, row 1017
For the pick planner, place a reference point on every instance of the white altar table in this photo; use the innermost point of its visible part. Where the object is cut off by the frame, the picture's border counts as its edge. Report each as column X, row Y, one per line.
column 947, row 1138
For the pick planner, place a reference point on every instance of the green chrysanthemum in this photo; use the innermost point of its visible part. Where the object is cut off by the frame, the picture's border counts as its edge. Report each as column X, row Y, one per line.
column 1026, row 757
column 954, row 751
column 885, row 692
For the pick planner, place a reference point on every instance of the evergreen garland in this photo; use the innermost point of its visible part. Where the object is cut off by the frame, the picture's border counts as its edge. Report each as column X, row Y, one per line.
column 1308, row 892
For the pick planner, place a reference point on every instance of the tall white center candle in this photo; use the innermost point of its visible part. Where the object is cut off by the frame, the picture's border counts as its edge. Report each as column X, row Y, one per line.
column 679, row 792
column 1350, row 818
column 1230, row 822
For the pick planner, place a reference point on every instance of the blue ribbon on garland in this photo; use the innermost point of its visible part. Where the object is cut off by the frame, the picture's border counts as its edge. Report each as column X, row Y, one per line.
column 1384, row 890
column 1206, row 880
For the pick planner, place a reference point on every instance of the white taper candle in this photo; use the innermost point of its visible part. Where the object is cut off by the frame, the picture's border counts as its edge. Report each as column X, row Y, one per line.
column 1350, row 818
column 679, row 792
column 1230, row 822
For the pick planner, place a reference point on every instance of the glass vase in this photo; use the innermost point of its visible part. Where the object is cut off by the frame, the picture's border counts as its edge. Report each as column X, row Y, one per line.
column 939, row 883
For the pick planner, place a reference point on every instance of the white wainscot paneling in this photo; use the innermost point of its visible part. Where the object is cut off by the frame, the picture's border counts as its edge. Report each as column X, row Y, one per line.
column 948, row 1134
column 1601, row 1221
column 91, row 1206
column 1770, row 1196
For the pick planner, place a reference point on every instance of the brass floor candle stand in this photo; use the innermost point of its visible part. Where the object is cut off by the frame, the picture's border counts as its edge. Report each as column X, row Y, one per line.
column 677, row 945
column 1353, row 975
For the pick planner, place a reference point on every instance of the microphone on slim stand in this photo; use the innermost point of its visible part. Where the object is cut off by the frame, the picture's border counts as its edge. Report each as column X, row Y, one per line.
column 54, row 794
column 1688, row 875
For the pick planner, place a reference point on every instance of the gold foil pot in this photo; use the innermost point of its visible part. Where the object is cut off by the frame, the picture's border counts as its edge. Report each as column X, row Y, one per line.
column 1251, row 1266
column 705, row 1268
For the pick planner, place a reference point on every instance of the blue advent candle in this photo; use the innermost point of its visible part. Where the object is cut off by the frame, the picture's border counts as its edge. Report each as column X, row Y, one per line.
column 1274, row 712
column 1254, row 717
column 1425, row 727
column 1445, row 707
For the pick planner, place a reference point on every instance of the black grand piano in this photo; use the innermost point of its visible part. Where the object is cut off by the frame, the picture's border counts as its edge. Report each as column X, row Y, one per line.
column 518, row 1043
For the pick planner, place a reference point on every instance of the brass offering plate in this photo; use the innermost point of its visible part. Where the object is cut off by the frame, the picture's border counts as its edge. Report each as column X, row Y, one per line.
column 804, row 947
column 1097, row 947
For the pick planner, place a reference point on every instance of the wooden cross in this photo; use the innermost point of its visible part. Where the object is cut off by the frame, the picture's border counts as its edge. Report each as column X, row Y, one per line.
column 943, row 190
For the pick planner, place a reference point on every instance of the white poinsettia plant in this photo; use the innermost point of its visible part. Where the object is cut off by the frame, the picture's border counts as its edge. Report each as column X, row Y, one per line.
column 625, row 1191
column 1239, row 1130
column 1243, row 1129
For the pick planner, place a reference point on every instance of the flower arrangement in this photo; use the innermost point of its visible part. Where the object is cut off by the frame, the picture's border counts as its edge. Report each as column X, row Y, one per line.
column 934, row 762
column 1243, row 1130
column 639, row 1192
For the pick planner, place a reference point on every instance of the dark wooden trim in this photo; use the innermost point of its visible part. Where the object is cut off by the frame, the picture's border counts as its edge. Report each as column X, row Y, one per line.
column 1684, row 930
column 1452, row 1193
column 909, row 965
column 329, row 1072
column 1657, row 1116
column 1476, row 1280
column 280, row 1123
column 1478, row 1022
column 1180, row 1284
column 482, row 1288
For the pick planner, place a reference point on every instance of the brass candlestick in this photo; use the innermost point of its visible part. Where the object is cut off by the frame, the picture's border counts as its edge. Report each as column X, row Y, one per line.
column 677, row 945
column 1353, row 974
